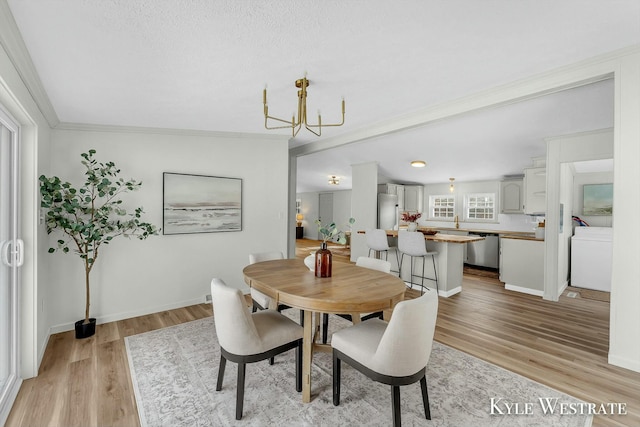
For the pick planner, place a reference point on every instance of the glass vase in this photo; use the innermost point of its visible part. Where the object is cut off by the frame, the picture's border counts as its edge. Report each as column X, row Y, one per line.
column 323, row 261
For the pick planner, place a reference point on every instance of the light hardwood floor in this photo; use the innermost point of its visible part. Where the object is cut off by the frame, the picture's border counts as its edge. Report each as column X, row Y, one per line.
column 563, row 345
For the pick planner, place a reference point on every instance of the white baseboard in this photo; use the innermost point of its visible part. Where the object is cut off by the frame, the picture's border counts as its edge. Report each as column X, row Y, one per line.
column 127, row 315
column 444, row 294
column 450, row 292
column 623, row 362
column 523, row 290
column 562, row 287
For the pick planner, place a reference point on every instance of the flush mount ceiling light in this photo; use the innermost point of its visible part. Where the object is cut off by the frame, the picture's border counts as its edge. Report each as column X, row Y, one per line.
column 418, row 163
column 334, row 180
column 451, row 185
column 296, row 122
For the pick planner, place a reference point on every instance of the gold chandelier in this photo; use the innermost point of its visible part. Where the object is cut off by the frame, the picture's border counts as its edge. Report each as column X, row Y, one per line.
column 296, row 122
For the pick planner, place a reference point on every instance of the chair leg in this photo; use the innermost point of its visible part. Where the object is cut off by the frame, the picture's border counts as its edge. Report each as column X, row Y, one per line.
column 411, row 272
column 395, row 397
column 301, row 317
column 223, row 363
column 397, row 262
column 242, row 367
column 299, row 367
column 425, row 397
column 336, row 380
column 271, row 361
column 435, row 273
column 325, row 327
column 424, row 261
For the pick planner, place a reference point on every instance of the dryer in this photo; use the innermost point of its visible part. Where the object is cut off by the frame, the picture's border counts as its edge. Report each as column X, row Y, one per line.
column 591, row 257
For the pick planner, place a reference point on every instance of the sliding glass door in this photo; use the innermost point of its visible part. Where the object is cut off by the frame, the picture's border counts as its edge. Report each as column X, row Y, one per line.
column 11, row 259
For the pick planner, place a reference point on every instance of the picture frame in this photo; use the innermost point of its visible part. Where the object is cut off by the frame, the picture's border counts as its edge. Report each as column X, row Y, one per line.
column 200, row 204
column 597, row 199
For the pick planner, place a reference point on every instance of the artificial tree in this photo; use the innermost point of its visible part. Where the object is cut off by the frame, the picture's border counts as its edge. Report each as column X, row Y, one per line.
column 90, row 216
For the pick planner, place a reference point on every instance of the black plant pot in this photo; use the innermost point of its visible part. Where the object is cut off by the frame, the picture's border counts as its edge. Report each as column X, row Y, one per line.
column 85, row 330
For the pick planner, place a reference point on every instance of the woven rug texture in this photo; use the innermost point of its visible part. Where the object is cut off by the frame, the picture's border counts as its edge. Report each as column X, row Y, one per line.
column 174, row 373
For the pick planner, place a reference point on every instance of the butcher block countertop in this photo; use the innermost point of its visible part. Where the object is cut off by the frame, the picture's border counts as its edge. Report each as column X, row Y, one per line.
column 529, row 236
column 477, row 230
column 445, row 238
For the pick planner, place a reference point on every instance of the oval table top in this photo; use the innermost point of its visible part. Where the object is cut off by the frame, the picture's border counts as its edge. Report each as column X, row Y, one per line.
column 351, row 289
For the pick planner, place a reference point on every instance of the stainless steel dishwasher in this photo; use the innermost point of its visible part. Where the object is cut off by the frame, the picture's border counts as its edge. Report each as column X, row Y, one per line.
column 484, row 253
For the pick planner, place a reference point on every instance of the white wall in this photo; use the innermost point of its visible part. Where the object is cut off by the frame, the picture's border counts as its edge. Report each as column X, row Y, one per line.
column 134, row 277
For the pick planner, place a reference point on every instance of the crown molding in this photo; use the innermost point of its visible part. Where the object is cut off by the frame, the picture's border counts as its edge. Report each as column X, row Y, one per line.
column 88, row 127
column 11, row 40
column 584, row 72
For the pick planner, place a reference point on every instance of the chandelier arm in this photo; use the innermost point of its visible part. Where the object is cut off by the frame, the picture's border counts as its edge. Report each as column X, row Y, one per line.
column 319, row 133
column 289, row 124
column 320, row 125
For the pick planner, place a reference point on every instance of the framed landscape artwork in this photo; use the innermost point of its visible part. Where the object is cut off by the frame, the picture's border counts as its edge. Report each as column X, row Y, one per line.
column 598, row 199
column 201, row 204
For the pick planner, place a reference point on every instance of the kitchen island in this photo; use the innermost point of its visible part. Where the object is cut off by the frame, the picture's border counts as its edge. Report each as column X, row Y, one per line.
column 449, row 261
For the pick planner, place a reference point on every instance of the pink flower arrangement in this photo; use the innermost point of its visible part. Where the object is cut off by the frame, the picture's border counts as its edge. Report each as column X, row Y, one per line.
column 410, row 217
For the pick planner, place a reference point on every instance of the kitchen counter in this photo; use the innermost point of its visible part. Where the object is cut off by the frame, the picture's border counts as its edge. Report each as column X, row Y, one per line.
column 523, row 236
column 449, row 261
column 449, row 238
column 522, row 264
column 478, row 230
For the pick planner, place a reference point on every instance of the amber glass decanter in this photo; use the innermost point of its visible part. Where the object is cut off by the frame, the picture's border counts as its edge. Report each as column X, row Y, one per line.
column 323, row 261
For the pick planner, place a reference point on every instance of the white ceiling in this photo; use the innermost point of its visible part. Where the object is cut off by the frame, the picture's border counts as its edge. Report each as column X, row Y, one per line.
column 202, row 65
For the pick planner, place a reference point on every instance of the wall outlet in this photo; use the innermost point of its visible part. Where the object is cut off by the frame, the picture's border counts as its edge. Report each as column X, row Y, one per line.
column 207, row 298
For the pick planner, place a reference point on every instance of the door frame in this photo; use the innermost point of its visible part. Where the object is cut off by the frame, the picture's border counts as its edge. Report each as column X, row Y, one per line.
column 10, row 390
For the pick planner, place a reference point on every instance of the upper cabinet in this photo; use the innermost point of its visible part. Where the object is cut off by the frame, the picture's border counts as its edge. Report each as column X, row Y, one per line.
column 410, row 197
column 512, row 196
column 535, row 191
column 413, row 198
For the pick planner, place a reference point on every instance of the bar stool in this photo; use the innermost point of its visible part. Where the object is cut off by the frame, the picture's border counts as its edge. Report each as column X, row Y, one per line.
column 412, row 243
column 377, row 241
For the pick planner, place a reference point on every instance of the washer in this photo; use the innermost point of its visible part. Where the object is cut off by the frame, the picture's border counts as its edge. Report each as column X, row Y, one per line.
column 591, row 255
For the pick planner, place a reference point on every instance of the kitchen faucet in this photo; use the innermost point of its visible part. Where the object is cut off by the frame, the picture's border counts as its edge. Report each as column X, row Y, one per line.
column 455, row 219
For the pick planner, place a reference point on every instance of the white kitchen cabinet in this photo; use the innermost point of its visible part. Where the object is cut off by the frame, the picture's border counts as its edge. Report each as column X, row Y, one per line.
column 522, row 265
column 397, row 189
column 535, row 191
column 512, row 196
column 413, row 198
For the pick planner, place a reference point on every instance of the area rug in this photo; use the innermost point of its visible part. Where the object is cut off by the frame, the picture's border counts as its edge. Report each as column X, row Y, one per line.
column 174, row 373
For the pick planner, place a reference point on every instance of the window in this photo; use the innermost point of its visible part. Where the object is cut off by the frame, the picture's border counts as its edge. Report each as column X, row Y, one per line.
column 442, row 207
column 480, row 207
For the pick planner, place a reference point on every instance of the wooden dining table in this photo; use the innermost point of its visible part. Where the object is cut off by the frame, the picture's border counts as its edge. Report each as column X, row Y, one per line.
column 349, row 290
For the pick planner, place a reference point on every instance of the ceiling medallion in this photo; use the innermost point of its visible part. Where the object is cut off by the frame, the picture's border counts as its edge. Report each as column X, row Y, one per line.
column 296, row 122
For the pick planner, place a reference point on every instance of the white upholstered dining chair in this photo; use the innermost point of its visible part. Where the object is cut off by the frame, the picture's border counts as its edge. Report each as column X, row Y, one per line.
column 246, row 337
column 394, row 353
column 366, row 262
